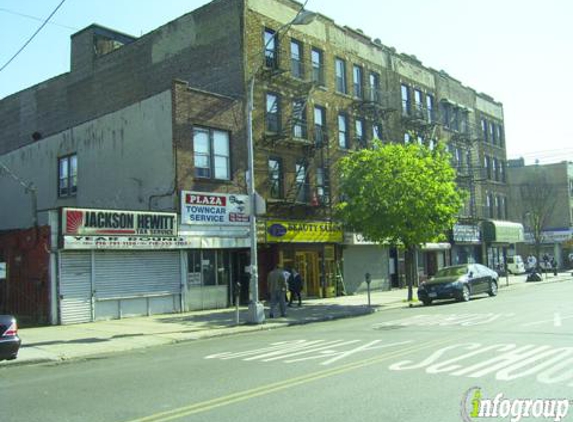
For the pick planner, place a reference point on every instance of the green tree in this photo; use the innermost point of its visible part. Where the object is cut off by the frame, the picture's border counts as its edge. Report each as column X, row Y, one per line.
column 402, row 194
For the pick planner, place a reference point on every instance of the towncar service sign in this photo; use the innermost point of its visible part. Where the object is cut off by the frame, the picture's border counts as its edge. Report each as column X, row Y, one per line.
column 86, row 222
column 214, row 208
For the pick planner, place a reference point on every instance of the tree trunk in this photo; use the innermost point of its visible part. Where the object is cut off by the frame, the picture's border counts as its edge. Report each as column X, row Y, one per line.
column 411, row 265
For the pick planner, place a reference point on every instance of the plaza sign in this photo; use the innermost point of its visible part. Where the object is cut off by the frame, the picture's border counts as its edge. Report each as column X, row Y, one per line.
column 203, row 208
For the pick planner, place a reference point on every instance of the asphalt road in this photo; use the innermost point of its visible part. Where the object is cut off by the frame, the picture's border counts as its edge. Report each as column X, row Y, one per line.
column 417, row 364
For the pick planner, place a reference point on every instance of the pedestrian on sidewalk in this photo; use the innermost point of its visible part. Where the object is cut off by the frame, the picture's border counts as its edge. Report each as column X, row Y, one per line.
column 531, row 263
column 554, row 266
column 295, row 287
column 277, row 285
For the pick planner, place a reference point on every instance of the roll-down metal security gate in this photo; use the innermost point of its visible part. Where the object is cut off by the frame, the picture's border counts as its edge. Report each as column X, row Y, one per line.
column 114, row 284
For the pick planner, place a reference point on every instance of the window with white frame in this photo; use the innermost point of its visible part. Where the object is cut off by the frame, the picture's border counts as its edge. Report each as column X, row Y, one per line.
column 296, row 59
column 418, row 101
column 275, row 177
column 359, row 133
column 299, row 126
column 340, row 73
column 68, row 176
column 271, row 49
column 301, row 179
column 319, row 125
column 357, row 81
column 317, row 58
column 406, row 102
column 374, row 87
column 343, row 131
column 211, row 153
column 430, row 107
column 272, row 115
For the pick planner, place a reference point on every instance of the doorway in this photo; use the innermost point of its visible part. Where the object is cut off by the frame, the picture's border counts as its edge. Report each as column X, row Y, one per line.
column 306, row 263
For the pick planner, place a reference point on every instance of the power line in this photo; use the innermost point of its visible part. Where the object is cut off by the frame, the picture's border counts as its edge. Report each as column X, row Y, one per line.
column 12, row 12
column 32, row 37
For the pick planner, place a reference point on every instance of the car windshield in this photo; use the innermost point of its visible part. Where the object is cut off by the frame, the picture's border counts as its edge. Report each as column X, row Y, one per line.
column 452, row 271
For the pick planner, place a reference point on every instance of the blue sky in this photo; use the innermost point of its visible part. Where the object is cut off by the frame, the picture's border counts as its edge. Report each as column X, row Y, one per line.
column 517, row 51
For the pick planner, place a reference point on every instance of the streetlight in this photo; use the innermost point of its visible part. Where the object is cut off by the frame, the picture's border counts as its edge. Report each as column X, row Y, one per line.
column 256, row 313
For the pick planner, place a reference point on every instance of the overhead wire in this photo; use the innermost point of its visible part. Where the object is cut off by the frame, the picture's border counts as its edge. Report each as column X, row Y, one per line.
column 33, row 36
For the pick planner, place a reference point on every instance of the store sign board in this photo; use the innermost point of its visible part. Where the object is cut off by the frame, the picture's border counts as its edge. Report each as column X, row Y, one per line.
column 466, row 233
column 303, row 231
column 203, row 208
column 126, row 242
column 86, row 222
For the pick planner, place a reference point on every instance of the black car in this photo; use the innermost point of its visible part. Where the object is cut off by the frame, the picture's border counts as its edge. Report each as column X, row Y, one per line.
column 459, row 282
column 9, row 340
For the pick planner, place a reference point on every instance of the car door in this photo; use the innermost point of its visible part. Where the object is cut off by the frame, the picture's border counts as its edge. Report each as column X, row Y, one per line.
column 476, row 280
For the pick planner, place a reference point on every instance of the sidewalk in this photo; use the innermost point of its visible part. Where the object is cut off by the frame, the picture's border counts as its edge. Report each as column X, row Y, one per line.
column 62, row 343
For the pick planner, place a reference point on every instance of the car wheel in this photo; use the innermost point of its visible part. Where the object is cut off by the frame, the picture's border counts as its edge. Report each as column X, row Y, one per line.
column 492, row 288
column 465, row 296
column 427, row 302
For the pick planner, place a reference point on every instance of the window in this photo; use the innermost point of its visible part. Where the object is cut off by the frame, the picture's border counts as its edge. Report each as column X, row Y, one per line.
column 301, row 179
column 275, row 178
column 296, row 59
column 487, row 167
column 500, row 136
column 272, row 116
column 374, row 87
column 502, row 171
column 340, row 66
column 377, row 131
column 406, row 106
column 489, row 205
column 357, row 81
column 322, row 192
column 406, row 138
column 445, row 113
column 271, row 49
column 299, row 127
column 494, row 169
column 211, row 154
column 319, row 125
column 317, row 66
column 430, row 107
column 500, row 207
column 484, row 126
column 342, row 131
column 68, row 176
column 359, row 133
column 418, row 104
column 492, row 132
column 455, row 119
column 464, row 122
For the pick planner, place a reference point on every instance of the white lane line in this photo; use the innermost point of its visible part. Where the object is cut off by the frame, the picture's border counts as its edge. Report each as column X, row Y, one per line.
column 560, row 318
column 557, row 319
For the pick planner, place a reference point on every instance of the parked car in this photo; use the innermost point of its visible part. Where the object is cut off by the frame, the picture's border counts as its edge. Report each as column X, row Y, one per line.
column 9, row 340
column 459, row 282
column 515, row 264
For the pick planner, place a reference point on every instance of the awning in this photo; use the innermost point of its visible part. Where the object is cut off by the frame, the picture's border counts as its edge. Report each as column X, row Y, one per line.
column 502, row 231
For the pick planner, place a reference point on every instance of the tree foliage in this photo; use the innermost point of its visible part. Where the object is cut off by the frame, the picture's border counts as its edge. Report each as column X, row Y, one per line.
column 402, row 194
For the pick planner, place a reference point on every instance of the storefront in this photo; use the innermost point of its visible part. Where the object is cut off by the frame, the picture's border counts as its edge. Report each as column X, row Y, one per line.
column 312, row 247
column 216, row 229
column 499, row 237
column 115, row 264
column 432, row 257
column 466, row 244
column 361, row 256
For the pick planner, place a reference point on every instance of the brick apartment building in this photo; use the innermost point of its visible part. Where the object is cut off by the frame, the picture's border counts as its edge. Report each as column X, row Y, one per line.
column 154, row 129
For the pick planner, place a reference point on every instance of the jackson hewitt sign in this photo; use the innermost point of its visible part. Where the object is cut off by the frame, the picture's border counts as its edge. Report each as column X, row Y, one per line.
column 85, row 222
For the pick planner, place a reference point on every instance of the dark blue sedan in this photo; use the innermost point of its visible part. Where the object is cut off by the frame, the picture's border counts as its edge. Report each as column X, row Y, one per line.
column 459, row 282
column 9, row 340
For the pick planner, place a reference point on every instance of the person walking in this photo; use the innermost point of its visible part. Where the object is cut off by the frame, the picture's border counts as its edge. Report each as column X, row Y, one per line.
column 295, row 287
column 277, row 285
column 554, row 265
column 531, row 263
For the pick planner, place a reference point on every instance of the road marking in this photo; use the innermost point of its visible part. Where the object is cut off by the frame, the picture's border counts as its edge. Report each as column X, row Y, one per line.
column 282, row 385
column 444, row 320
column 557, row 319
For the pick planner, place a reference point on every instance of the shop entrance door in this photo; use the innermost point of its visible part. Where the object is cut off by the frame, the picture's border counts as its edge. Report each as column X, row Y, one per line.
column 306, row 262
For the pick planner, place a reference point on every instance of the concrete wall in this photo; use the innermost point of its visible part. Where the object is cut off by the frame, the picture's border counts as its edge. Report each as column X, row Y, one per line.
column 124, row 158
column 202, row 47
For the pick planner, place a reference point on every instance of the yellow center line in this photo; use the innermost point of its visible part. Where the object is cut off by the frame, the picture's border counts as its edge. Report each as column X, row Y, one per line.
column 281, row 385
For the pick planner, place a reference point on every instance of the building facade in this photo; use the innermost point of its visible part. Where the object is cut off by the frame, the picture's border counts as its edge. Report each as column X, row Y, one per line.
column 542, row 199
column 158, row 124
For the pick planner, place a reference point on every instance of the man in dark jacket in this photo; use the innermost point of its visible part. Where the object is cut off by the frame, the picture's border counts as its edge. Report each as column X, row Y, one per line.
column 277, row 285
column 295, row 287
